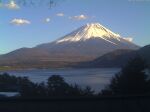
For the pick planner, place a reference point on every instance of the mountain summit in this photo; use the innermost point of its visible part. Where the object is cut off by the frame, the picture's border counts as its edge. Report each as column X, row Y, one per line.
column 89, row 31
column 86, row 43
column 90, row 40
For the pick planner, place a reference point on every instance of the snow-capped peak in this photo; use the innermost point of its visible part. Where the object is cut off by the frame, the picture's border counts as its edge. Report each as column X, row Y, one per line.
column 93, row 30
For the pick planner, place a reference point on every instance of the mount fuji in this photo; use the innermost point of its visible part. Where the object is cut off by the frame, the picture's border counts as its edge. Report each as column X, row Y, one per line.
column 86, row 43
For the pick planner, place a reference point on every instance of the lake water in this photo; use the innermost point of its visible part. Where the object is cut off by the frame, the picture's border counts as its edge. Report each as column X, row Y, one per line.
column 97, row 78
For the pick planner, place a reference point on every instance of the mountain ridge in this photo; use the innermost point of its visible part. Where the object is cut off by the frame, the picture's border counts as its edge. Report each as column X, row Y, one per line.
column 118, row 58
column 84, row 44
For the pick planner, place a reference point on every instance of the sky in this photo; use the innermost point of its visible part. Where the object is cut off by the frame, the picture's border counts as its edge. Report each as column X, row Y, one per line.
column 28, row 26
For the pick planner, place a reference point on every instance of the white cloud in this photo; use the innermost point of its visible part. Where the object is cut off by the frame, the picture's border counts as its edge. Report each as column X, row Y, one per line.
column 129, row 39
column 20, row 21
column 60, row 14
column 47, row 20
column 12, row 5
column 79, row 17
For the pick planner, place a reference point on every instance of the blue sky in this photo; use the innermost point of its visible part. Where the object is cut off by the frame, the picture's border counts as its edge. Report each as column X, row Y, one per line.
column 28, row 26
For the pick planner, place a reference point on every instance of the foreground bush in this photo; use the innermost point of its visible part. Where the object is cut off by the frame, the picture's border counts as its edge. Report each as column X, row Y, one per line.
column 55, row 87
column 131, row 80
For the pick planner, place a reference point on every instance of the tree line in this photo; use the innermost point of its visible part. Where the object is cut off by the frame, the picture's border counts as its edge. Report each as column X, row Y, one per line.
column 133, row 79
column 55, row 87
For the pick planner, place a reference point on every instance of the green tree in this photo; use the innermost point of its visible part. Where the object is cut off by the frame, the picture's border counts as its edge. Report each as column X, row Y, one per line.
column 57, row 86
column 132, row 80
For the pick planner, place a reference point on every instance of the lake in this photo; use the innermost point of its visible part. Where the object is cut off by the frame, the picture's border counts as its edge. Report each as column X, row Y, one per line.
column 96, row 78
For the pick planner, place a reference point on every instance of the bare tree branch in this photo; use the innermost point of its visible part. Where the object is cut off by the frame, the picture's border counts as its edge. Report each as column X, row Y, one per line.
column 48, row 3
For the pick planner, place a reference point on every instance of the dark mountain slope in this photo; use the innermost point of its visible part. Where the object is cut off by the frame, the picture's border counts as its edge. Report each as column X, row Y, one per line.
column 118, row 58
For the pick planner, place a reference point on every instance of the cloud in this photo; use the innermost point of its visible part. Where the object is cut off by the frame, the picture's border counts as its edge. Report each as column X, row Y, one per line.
column 79, row 17
column 20, row 22
column 47, row 20
column 129, row 39
column 60, row 14
column 12, row 5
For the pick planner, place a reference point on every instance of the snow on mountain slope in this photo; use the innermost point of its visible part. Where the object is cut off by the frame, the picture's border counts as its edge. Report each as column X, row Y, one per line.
column 89, row 40
column 90, row 31
column 84, row 44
